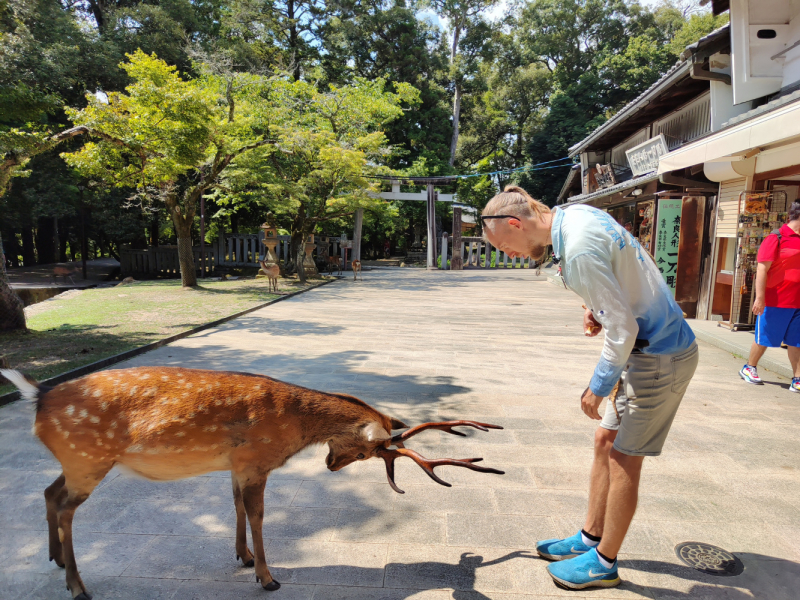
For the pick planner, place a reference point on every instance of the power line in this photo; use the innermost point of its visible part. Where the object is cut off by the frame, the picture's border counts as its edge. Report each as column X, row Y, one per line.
column 444, row 178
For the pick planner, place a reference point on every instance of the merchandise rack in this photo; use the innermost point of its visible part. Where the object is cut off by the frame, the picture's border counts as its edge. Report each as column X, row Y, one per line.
column 760, row 213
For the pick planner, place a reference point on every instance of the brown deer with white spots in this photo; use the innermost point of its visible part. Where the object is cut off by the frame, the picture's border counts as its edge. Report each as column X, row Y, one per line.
column 167, row 423
column 356, row 265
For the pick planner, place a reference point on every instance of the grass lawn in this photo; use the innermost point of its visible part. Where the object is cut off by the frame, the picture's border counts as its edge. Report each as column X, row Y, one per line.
column 80, row 327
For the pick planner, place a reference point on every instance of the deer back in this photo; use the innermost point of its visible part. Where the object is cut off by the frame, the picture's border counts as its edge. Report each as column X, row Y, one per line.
column 168, row 423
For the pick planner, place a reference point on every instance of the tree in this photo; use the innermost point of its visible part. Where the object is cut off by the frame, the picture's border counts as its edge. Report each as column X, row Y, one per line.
column 274, row 33
column 383, row 39
column 463, row 17
column 323, row 154
column 172, row 138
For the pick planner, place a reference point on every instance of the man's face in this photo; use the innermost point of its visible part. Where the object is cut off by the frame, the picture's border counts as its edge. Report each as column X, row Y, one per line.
column 511, row 236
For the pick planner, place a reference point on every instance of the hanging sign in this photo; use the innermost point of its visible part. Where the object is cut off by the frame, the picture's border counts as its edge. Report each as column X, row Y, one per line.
column 644, row 157
column 668, row 236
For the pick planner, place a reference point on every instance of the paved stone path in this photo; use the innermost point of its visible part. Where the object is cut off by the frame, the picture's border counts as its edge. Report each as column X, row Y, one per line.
column 501, row 346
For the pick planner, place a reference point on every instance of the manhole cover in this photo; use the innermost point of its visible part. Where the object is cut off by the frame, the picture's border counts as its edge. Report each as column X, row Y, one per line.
column 709, row 559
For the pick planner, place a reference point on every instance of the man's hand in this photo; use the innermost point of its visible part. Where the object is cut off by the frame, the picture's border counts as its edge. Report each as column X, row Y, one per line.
column 758, row 305
column 590, row 403
column 591, row 327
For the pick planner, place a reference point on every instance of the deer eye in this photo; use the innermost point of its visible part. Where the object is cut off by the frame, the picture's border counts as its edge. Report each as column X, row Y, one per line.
column 360, row 456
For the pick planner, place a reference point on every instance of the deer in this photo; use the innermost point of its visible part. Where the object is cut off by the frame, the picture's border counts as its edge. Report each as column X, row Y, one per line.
column 65, row 272
column 356, row 264
column 272, row 271
column 167, row 423
column 334, row 261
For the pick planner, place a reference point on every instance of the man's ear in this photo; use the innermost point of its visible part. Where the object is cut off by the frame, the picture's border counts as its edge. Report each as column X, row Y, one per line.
column 397, row 424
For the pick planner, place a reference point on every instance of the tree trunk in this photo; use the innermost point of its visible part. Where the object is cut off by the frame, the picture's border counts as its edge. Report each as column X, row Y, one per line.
column 183, row 231
column 457, row 96
column 45, row 249
column 12, row 311
column 456, row 117
column 28, row 252
column 186, row 260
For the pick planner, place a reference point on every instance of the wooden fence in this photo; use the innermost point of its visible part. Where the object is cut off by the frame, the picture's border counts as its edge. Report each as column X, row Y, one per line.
column 474, row 253
column 230, row 250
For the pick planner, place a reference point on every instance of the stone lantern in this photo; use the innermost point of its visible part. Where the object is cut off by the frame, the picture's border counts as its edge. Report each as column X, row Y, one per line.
column 270, row 239
column 308, row 263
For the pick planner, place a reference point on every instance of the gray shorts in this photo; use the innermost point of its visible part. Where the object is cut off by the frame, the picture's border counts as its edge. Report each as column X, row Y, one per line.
column 650, row 393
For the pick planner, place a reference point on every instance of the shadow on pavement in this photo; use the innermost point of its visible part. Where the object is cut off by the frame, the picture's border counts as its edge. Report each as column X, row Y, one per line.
column 763, row 577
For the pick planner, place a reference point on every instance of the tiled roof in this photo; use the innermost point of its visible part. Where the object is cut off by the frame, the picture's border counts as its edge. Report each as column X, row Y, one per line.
column 630, row 183
column 764, row 108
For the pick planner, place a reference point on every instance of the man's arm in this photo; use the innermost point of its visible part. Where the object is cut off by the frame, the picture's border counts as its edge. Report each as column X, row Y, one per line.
column 594, row 280
column 761, row 287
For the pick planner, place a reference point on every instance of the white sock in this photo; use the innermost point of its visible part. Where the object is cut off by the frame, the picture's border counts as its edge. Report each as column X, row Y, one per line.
column 605, row 563
column 587, row 541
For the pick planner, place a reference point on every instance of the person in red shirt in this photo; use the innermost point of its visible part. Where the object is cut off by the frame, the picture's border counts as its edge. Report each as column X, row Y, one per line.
column 777, row 301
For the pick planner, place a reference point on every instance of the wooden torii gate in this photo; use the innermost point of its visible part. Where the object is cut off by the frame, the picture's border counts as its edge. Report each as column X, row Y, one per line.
column 430, row 196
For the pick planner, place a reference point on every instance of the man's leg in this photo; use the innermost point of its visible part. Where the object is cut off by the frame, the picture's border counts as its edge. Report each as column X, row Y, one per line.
column 794, row 358
column 623, row 495
column 599, row 483
column 756, row 352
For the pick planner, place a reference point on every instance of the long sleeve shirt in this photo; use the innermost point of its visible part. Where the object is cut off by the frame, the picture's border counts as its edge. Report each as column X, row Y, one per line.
column 621, row 285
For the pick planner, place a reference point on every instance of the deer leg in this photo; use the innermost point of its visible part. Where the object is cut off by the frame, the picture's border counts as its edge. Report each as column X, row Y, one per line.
column 65, row 514
column 54, row 495
column 77, row 488
column 253, row 497
column 242, row 551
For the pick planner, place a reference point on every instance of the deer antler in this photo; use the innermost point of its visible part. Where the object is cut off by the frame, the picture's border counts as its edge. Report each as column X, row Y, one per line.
column 443, row 426
column 390, row 454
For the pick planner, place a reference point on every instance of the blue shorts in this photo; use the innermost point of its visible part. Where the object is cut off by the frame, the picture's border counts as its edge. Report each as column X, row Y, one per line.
column 778, row 325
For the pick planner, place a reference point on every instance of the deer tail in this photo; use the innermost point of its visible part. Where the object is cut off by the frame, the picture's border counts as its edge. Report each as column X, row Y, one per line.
column 28, row 387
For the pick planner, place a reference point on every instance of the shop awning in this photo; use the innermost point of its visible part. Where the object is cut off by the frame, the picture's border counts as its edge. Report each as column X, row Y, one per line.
column 760, row 127
column 620, row 187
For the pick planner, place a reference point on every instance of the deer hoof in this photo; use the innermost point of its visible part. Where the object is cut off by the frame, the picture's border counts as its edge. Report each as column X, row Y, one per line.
column 250, row 563
column 272, row 586
column 83, row 596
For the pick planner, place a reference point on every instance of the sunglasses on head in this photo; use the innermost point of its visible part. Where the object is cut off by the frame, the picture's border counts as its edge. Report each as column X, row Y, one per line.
column 485, row 218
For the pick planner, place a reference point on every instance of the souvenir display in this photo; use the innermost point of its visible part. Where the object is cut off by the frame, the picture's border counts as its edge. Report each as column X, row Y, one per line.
column 761, row 214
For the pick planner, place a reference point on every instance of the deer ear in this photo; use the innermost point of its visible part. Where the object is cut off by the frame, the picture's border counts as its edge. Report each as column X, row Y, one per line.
column 397, row 424
column 374, row 432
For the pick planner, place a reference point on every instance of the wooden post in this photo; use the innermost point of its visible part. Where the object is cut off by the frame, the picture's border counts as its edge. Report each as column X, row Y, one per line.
column 444, row 251
column 456, row 263
column 431, row 200
column 357, row 234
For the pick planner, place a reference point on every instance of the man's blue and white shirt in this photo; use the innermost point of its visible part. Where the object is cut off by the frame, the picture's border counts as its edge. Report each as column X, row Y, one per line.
column 607, row 267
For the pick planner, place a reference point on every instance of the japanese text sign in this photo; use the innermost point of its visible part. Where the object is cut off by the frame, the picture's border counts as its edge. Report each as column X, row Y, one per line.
column 668, row 236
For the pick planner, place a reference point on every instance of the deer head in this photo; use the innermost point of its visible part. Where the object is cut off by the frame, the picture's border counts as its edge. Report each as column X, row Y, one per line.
column 374, row 440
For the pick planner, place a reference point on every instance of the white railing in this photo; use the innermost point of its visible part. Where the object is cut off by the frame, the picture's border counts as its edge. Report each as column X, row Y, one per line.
column 474, row 251
column 687, row 123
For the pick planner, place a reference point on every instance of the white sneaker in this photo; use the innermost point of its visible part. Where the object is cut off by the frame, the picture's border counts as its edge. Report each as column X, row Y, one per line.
column 750, row 375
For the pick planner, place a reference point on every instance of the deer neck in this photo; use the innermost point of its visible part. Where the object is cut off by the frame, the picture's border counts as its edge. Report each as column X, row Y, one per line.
column 324, row 416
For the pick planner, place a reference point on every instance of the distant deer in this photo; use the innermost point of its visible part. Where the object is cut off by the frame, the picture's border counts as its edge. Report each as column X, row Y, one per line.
column 356, row 264
column 168, row 423
column 63, row 271
column 272, row 271
column 334, row 261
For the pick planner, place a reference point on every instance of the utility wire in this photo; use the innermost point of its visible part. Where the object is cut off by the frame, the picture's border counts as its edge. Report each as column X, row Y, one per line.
column 536, row 167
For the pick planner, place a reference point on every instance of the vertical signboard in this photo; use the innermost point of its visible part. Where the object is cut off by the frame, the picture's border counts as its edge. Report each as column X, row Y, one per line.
column 668, row 237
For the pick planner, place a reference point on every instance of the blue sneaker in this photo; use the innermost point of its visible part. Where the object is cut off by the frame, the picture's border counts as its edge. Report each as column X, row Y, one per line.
column 583, row 572
column 562, row 549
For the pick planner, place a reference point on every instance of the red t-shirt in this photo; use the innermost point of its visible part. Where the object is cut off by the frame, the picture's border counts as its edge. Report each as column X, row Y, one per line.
column 783, row 277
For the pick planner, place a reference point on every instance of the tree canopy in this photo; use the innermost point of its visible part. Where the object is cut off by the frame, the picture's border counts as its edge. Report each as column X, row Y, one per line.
column 137, row 108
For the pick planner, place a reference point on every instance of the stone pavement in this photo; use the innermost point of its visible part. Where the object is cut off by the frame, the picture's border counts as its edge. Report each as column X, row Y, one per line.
column 502, row 346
